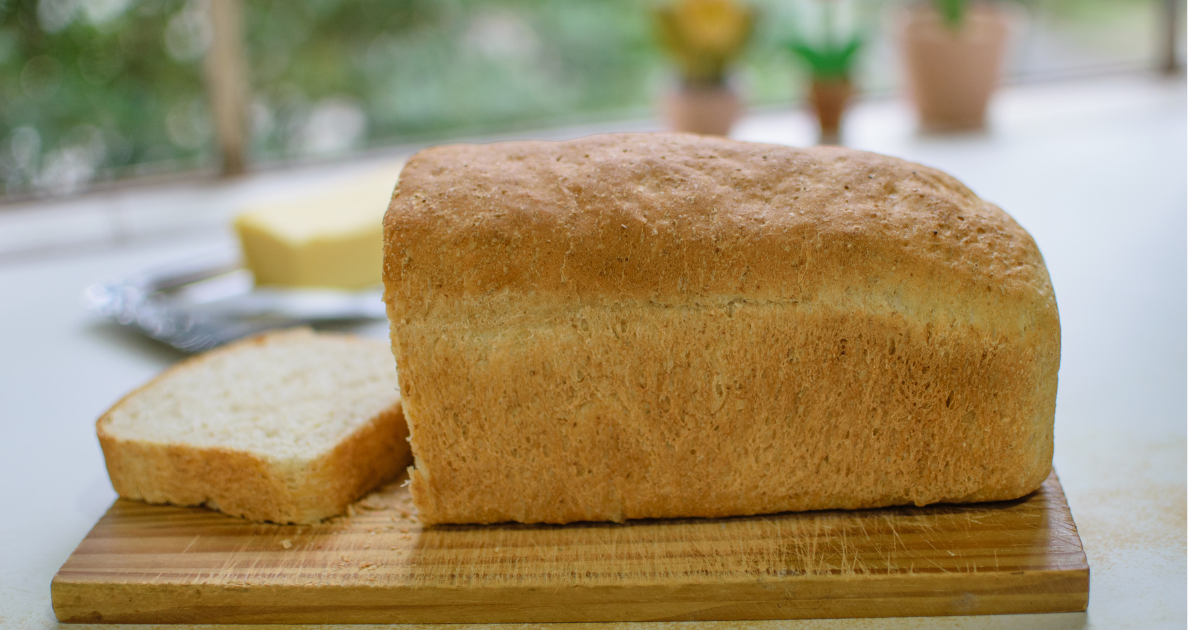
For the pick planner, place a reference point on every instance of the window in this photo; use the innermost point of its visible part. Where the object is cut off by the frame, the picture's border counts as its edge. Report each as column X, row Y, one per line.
column 93, row 91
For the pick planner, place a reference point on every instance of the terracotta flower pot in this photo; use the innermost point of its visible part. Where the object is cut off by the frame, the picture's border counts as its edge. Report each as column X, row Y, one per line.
column 952, row 74
column 829, row 98
column 706, row 110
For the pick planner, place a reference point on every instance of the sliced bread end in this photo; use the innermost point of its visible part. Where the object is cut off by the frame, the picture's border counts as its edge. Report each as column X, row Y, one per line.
column 155, row 452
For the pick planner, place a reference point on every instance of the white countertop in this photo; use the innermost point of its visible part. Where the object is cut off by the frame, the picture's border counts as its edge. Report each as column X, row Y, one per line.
column 1094, row 170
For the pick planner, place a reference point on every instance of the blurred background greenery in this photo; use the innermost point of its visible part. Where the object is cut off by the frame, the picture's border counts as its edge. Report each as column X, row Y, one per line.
column 97, row 90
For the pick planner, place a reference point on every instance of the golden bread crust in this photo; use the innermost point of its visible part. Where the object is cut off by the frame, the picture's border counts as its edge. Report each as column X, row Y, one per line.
column 655, row 325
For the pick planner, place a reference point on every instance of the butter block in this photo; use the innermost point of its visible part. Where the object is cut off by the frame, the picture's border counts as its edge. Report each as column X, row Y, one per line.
column 333, row 239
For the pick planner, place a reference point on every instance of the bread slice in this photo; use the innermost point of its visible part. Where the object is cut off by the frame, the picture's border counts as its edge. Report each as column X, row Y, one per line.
column 288, row 427
column 662, row 325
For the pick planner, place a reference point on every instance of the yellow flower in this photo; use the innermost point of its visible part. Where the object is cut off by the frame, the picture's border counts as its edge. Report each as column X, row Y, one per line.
column 705, row 35
column 716, row 26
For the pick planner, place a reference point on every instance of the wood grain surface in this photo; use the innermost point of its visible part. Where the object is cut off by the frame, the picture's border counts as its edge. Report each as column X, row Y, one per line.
column 149, row 563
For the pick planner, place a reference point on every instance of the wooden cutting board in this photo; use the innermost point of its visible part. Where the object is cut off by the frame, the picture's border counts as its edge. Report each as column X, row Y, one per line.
column 146, row 563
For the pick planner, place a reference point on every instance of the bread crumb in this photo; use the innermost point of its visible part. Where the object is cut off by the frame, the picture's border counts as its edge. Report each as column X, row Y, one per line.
column 288, row 429
column 287, row 544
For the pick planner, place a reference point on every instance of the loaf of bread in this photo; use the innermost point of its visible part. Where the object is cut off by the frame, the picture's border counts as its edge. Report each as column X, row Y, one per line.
column 289, row 427
column 632, row 326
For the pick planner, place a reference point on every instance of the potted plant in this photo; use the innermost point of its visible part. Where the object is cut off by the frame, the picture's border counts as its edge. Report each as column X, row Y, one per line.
column 952, row 52
column 704, row 37
column 830, row 63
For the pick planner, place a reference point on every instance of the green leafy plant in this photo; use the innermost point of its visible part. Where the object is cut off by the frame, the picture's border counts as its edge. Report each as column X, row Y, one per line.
column 829, row 59
column 953, row 12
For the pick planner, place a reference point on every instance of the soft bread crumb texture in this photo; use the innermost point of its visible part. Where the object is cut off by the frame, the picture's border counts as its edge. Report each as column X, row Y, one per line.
column 661, row 325
column 288, row 427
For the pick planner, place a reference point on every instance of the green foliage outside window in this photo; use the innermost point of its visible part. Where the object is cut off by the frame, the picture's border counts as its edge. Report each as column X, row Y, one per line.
column 423, row 68
column 92, row 90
